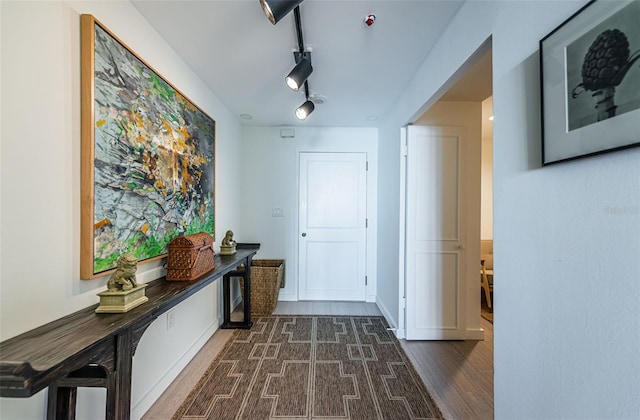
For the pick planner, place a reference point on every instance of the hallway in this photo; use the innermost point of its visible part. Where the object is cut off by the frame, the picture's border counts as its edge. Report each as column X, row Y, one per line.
column 458, row 374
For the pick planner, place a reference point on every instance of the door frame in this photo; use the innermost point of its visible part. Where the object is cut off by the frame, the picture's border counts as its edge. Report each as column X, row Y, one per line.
column 402, row 295
column 372, row 211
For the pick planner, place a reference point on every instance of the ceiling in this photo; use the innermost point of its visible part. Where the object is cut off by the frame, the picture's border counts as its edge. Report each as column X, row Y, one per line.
column 360, row 70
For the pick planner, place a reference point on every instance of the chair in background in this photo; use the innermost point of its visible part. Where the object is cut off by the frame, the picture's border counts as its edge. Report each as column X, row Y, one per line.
column 486, row 269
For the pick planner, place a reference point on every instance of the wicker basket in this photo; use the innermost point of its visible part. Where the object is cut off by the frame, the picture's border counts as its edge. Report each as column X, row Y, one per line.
column 190, row 257
column 267, row 276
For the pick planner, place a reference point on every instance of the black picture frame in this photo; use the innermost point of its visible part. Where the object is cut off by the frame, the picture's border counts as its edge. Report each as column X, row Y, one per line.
column 590, row 82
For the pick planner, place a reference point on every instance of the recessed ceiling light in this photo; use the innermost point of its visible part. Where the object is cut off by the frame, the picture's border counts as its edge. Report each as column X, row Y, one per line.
column 246, row 116
column 317, row 98
column 372, row 118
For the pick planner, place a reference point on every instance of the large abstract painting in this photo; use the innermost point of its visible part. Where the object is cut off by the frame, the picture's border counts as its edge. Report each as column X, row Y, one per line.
column 147, row 157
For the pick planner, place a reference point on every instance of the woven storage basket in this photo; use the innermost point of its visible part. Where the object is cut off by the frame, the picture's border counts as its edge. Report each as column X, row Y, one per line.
column 266, row 278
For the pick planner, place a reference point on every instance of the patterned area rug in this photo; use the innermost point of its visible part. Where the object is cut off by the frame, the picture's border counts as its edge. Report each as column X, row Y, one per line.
column 311, row 367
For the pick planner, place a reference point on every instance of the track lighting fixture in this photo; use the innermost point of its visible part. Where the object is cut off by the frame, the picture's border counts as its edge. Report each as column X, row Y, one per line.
column 300, row 72
column 277, row 9
column 304, row 110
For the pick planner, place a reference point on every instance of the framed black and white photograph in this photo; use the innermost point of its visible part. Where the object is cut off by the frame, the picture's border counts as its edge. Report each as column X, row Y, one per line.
column 590, row 82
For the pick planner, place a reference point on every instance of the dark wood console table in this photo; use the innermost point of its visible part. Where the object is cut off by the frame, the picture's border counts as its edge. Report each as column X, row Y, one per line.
column 85, row 349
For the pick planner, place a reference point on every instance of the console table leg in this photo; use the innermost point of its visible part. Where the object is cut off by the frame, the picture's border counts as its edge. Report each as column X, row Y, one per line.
column 226, row 280
column 119, row 382
column 226, row 299
column 247, row 297
column 111, row 398
column 61, row 403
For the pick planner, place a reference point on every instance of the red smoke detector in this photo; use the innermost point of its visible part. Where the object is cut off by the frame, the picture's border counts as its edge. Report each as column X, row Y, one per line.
column 369, row 20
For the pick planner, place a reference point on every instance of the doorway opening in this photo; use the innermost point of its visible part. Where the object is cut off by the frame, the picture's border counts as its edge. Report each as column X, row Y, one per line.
column 466, row 102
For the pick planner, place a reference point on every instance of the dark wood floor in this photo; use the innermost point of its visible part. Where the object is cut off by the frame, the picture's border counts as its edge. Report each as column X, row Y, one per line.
column 458, row 374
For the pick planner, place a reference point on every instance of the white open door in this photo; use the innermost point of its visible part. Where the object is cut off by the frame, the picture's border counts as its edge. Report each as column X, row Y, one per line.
column 332, row 226
column 435, row 269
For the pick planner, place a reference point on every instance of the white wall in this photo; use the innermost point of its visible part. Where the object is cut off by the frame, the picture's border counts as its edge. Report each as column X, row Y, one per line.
column 389, row 152
column 566, row 237
column 270, row 179
column 40, row 194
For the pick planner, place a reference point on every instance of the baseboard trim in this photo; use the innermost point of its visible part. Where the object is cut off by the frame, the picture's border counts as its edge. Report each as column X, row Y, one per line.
column 399, row 332
column 386, row 314
column 287, row 297
column 142, row 406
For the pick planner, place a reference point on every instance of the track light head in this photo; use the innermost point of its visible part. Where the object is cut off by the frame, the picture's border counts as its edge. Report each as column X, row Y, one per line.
column 301, row 72
column 304, row 110
column 277, row 9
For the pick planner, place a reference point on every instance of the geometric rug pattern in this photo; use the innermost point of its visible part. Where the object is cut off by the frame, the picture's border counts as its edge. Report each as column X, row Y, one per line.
column 311, row 367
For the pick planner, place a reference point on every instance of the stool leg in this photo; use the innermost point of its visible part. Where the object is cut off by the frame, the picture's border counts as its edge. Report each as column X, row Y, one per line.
column 486, row 287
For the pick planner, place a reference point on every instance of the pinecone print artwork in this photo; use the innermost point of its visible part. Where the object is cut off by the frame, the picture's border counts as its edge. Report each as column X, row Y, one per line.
column 605, row 65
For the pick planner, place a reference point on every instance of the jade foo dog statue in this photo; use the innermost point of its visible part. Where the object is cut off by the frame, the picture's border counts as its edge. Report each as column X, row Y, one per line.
column 228, row 245
column 124, row 277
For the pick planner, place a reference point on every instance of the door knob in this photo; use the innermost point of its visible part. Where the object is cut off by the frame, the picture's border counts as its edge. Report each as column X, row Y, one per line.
column 304, row 234
column 461, row 246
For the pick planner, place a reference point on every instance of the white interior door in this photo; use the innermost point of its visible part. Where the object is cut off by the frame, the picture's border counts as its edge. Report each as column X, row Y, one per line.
column 332, row 226
column 435, row 293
